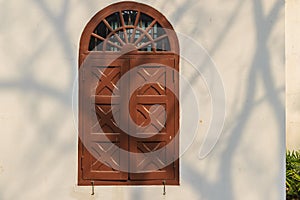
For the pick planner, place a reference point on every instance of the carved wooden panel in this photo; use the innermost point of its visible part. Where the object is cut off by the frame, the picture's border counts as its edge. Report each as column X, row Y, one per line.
column 102, row 135
column 152, row 107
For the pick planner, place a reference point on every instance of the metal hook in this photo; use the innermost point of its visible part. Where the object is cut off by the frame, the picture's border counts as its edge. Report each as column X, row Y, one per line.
column 93, row 189
column 164, row 191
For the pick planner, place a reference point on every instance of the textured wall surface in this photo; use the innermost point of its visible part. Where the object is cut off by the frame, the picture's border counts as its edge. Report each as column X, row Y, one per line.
column 292, row 22
column 39, row 42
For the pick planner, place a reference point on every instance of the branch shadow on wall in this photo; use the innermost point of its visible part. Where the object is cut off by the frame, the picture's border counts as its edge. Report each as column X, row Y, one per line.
column 222, row 187
column 43, row 147
column 260, row 71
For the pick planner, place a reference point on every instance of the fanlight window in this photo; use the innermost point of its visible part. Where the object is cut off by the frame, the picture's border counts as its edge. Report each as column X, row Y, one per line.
column 131, row 29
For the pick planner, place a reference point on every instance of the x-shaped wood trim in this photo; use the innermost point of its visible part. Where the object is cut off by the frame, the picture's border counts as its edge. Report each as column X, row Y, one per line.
column 153, row 78
column 106, row 80
column 106, row 155
column 106, row 119
column 154, row 115
column 149, row 158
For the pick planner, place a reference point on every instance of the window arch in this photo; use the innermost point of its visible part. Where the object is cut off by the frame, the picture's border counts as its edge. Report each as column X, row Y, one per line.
column 129, row 25
column 128, row 37
column 131, row 29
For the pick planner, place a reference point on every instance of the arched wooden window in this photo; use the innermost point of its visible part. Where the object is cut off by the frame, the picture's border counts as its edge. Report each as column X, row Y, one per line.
column 128, row 37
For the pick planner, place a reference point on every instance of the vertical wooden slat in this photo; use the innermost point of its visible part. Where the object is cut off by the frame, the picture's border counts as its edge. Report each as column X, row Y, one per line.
column 123, row 25
column 135, row 25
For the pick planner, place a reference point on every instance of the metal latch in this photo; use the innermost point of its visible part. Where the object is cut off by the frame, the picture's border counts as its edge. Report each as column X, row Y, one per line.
column 164, row 190
column 93, row 188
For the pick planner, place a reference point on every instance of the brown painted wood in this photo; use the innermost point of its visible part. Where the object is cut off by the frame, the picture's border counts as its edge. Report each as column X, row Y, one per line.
column 98, row 93
column 141, row 103
column 91, row 168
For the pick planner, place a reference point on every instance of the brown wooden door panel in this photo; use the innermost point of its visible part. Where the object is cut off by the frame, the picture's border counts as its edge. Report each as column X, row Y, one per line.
column 152, row 166
column 102, row 135
column 151, row 106
column 107, row 168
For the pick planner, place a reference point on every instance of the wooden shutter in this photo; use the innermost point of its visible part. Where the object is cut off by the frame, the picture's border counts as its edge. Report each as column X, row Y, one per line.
column 101, row 133
column 153, row 101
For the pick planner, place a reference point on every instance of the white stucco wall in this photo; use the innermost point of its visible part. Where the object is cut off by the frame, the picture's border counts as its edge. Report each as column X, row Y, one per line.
column 292, row 22
column 39, row 47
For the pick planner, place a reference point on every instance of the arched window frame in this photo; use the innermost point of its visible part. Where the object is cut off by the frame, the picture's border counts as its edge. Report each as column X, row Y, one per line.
column 172, row 54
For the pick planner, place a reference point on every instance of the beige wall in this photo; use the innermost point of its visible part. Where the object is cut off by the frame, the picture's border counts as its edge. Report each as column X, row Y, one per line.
column 38, row 54
column 292, row 50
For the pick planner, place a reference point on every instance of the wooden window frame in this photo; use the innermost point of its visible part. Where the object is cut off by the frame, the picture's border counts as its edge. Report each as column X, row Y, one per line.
column 85, row 53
